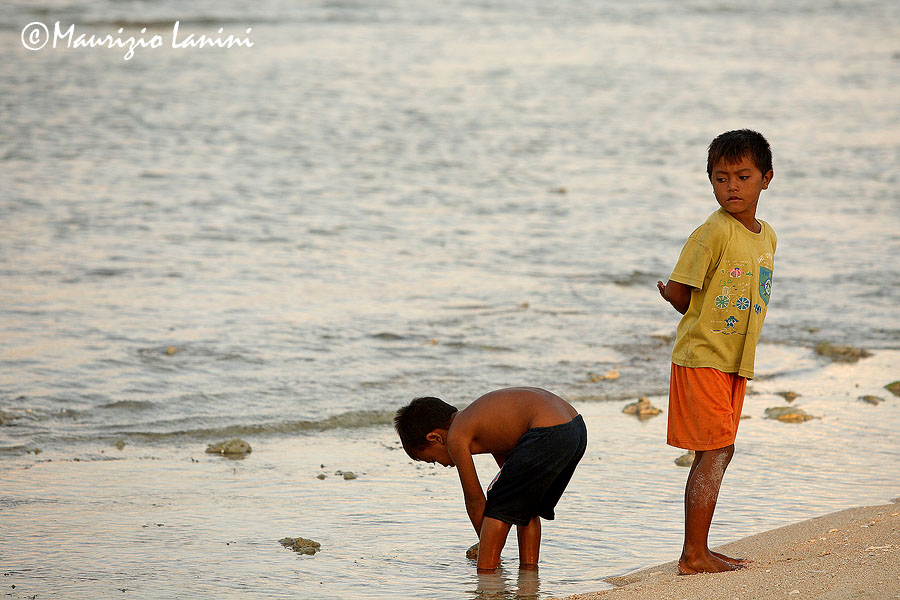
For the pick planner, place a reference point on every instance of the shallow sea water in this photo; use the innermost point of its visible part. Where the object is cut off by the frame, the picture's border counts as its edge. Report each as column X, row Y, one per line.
column 173, row 522
column 385, row 200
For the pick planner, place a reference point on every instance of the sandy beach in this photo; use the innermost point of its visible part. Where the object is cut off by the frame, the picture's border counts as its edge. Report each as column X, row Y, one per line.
column 852, row 553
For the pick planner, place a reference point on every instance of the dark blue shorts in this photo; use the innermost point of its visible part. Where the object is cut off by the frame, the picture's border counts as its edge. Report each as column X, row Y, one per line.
column 536, row 473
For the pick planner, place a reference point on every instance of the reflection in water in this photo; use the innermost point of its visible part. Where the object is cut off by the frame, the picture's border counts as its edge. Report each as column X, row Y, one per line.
column 499, row 586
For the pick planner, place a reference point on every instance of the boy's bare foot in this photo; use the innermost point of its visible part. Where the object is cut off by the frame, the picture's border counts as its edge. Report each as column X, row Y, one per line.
column 729, row 559
column 705, row 564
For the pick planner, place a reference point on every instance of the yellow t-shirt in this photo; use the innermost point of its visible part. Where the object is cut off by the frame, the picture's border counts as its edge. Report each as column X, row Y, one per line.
column 730, row 269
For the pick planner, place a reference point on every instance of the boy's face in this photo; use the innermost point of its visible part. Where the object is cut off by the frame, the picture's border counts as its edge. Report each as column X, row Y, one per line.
column 737, row 186
column 436, row 451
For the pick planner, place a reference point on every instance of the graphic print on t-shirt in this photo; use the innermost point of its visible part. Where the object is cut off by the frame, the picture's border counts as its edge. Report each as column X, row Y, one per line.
column 734, row 302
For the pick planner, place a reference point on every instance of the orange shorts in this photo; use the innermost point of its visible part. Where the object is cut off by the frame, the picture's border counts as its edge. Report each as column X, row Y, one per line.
column 704, row 407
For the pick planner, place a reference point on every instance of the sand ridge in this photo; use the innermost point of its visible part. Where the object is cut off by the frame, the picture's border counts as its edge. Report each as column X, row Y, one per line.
column 853, row 553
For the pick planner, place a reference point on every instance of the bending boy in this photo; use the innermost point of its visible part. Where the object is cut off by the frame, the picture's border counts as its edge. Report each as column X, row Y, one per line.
column 537, row 439
column 721, row 284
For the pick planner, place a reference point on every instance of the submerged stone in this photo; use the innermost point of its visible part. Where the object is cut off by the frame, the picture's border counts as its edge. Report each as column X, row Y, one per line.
column 841, row 353
column 641, row 408
column 301, row 545
column 686, row 459
column 233, row 447
column 872, row 399
column 788, row 414
column 472, row 552
column 789, row 396
column 893, row 388
column 349, row 475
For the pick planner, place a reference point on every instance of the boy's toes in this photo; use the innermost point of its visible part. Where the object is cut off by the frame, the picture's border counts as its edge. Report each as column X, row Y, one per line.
column 732, row 560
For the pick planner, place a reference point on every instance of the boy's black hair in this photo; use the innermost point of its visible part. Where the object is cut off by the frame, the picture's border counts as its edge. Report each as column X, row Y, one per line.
column 418, row 419
column 735, row 145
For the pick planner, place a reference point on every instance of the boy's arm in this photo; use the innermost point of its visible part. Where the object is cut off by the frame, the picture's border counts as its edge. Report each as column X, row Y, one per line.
column 468, row 478
column 676, row 294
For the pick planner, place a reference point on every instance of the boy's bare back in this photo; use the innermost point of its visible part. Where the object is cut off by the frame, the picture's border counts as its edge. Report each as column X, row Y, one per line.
column 494, row 422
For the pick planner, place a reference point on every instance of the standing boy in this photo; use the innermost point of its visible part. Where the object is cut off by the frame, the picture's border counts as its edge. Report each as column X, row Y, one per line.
column 721, row 284
column 537, row 439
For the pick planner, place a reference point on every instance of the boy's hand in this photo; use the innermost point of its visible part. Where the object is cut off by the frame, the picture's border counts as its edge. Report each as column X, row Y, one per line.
column 676, row 294
column 662, row 289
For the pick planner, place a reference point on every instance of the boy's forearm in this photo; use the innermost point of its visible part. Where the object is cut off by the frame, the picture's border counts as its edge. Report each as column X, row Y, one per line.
column 475, row 508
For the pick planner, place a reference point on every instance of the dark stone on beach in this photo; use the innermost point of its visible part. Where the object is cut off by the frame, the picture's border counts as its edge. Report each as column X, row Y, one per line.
column 233, row 447
column 349, row 475
column 301, row 545
column 686, row 459
column 641, row 409
column 472, row 552
column 789, row 396
column 848, row 354
column 893, row 388
column 788, row 414
column 321, row 476
column 120, row 444
column 872, row 399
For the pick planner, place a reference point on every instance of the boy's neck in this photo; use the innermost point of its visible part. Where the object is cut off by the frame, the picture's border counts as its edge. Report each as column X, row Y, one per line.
column 747, row 220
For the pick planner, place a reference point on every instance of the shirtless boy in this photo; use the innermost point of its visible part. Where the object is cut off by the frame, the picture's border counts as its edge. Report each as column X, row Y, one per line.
column 537, row 439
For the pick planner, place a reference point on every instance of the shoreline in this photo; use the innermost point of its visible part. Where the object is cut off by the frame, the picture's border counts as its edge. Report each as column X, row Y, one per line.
column 853, row 553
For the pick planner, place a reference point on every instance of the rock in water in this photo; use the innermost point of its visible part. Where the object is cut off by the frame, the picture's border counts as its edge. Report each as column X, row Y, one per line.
column 789, row 396
column 472, row 552
column 872, row 399
column 233, row 447
column 893, row 388
column 686, row 459
column 596, row 377
column 349, row 475
column 301, row 545
column 641, row 408
column 841, row 353
column 789, row 414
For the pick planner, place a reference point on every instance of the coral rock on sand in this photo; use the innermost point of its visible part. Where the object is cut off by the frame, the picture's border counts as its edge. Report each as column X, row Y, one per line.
column 301, row 545
column 893, row 388
column 472, row 552
column 641, row 408
column 234, row 447
column 872, row 399
column 790, row 414
column 686, row 459
column 841, row 353
column 789, row 396
column 349, row 475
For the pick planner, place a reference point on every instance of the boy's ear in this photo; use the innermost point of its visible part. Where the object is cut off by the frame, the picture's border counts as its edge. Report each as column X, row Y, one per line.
column 767, row 178
column 435, row 437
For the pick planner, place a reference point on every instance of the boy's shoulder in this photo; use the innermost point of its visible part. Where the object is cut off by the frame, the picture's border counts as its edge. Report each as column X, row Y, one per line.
column 715, row 226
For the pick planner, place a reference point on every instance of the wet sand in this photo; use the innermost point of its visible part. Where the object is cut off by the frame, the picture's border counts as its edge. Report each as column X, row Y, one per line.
column 853, row 553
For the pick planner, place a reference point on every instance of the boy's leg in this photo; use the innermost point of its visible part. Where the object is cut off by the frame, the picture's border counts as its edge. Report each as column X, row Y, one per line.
column 700, row 495
column 490, row 543
column 529, row 544
column 736, row 561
